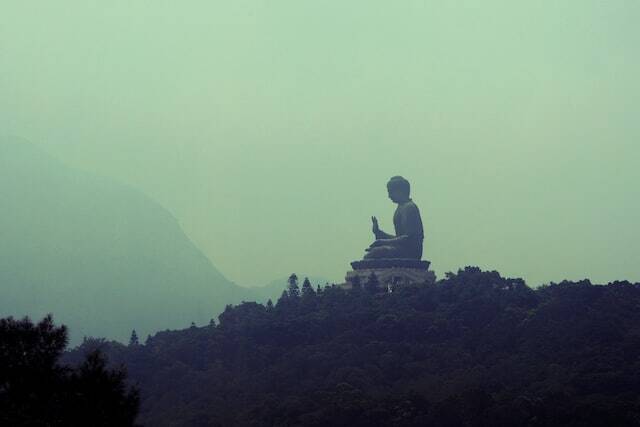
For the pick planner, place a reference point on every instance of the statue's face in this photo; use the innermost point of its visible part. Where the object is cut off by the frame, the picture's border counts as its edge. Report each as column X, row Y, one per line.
column 396, row 194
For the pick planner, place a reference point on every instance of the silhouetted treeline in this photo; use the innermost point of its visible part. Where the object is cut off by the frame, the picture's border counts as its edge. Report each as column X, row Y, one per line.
column 475, row 349
column 37, row 391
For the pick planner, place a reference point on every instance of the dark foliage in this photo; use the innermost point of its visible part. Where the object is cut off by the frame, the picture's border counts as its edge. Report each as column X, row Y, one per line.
column 475, row 349
column 36, row 391
column 134, row 338
column 294, row 290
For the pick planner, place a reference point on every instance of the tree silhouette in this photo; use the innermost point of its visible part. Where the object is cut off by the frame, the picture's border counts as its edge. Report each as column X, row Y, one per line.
column 294, row 290
column 133, row 340
column 284, row 299
column 307, row 289
column 36, row 390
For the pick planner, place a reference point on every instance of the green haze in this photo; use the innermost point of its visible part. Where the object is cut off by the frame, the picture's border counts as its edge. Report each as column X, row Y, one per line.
column 269, row 128
column 100, row 256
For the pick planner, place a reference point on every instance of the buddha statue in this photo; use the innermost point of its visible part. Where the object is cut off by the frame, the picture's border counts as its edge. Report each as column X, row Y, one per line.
column 407, row 242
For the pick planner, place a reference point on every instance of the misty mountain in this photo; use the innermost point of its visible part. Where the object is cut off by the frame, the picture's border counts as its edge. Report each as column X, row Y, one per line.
column 101, row 256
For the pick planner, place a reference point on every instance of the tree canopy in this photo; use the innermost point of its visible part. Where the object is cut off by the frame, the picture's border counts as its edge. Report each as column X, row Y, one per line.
column 473, row 349
column 35, row 390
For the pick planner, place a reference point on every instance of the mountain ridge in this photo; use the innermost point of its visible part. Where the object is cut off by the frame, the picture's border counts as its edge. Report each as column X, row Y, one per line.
column 94, row 251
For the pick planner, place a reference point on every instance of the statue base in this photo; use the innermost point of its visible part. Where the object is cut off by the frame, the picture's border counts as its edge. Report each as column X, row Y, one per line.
column 390, row 272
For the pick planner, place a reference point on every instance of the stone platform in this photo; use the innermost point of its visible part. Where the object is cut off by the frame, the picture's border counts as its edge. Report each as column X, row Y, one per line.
column 391, row 272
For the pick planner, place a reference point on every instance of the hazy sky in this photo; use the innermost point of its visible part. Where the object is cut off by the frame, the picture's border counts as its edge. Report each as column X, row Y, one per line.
column 270, row 128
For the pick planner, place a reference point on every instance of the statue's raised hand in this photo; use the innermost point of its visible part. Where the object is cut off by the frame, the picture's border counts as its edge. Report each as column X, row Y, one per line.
column 375, row 227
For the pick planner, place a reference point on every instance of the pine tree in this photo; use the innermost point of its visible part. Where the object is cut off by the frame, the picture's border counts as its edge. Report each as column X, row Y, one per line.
column 133, row 340
column 284, row 298
column 212, row 322
column 318, row 289
column 307, row 289
column 269, row 305
column 294, row 290
column 193, row 325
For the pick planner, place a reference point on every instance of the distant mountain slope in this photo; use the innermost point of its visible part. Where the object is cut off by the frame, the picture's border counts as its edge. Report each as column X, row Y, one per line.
column 102, row 257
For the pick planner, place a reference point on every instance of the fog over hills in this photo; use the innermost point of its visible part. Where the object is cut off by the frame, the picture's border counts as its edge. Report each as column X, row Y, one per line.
column 101, row 256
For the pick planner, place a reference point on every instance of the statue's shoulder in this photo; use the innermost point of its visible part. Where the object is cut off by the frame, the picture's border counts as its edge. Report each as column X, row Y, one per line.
column 411, row 205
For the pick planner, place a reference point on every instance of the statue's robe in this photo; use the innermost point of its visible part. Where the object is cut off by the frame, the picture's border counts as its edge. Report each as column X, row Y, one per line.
column 407, row 222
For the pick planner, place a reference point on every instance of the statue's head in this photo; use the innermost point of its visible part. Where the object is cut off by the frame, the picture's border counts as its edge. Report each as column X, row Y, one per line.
column 398, row 189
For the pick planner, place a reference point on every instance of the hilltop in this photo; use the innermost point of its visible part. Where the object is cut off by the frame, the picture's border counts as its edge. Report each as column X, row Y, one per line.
column 472, row 349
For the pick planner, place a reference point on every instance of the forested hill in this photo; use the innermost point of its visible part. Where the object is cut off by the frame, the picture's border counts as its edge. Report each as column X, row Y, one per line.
column 474, row 349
